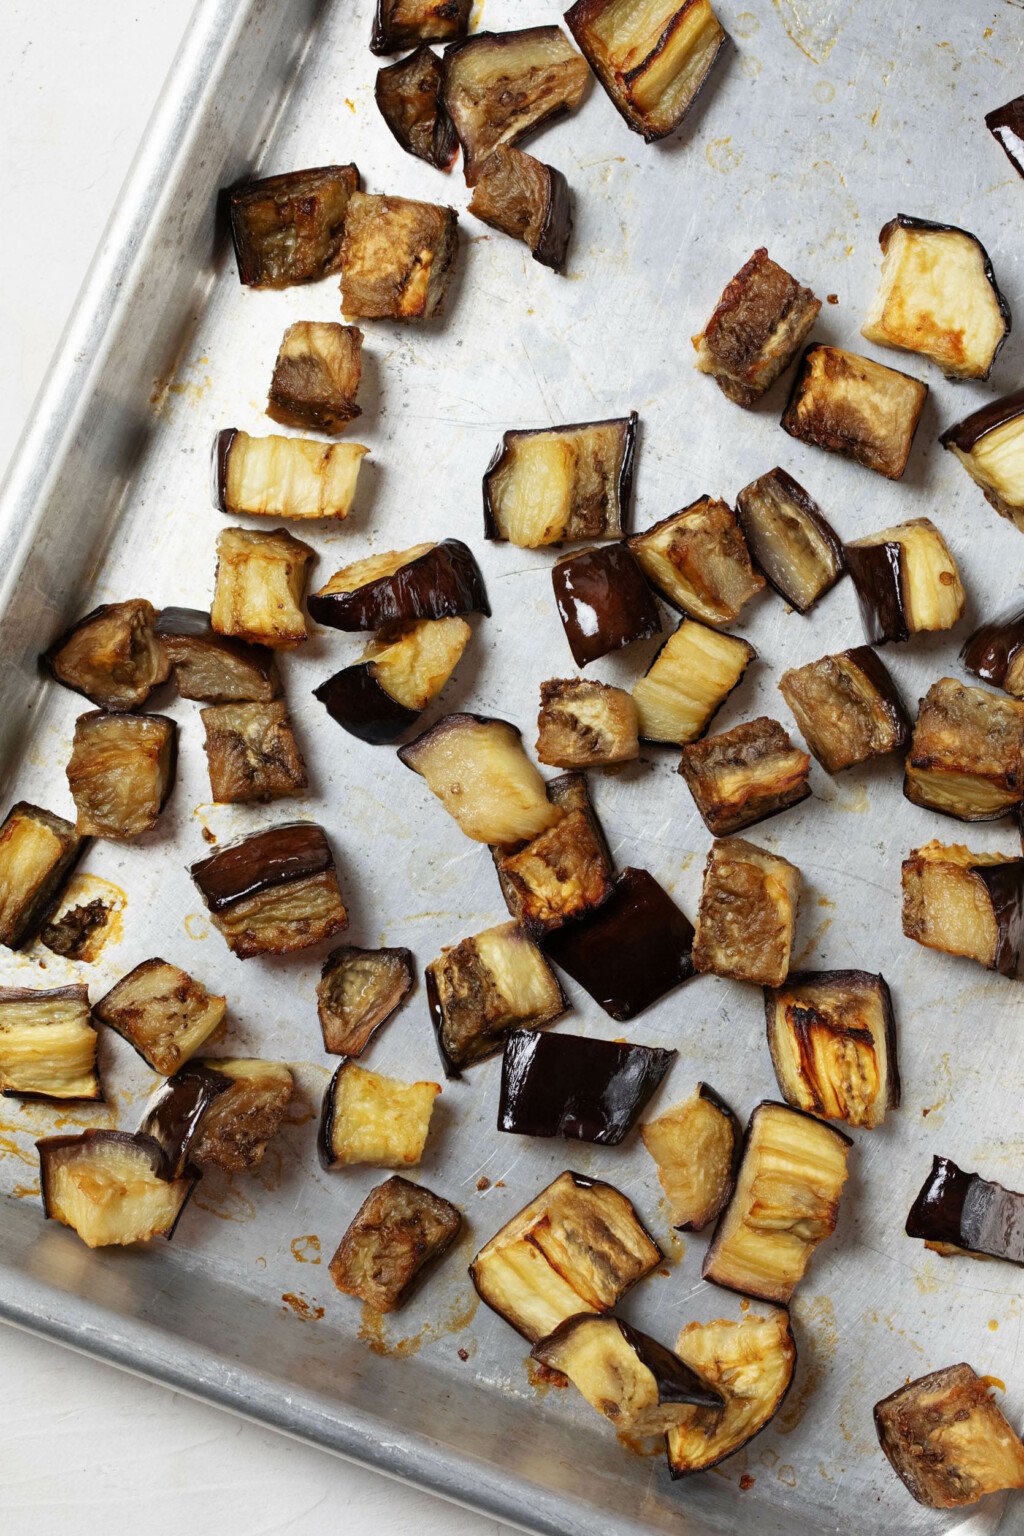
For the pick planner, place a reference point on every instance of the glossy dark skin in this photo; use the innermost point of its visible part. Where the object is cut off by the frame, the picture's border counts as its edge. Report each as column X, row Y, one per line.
column 175, row 1117
column 442, row 583
column 603, row 601
column 572, row 1085
column 294, row 851
column 1006, row 125
column 968, row 1212
column 355, row 699
column 964, row 434
column 1005, row 886
column 877, row 571
column 989, row 652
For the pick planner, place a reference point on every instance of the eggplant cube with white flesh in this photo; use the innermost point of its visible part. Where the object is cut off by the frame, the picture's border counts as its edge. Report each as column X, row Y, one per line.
column 258, row 589
column 550, row 485
column 402, row 670
column 832, row 1037
column 48, row 1044
column 479, row 770
column 964, row 903
column 688, row 682
column 369, row 1118
column 790, row 539
column 400, row 24
column 236, row 1129
column 121, row 772
column 990, row 445
column 110, row 1188
column 38, row 851
column 358, row 991
column 907, row 581
column 694, row 1146
column 853, row 406
column 585, row 724
column 428, row 581
column 699, row 561
column 162, row 1012
column 216, row 669
column 297, row 478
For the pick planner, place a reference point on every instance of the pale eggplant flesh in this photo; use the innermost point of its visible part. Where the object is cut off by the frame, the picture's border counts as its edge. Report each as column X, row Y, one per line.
column 38, row 851
column 404, row 668
column 694, row 1145
column 551, row 485
column 745, row 775
column 958, row 1212
column 213, row 668
column 113, row 655
column 790, row 539
column 399, row 1232
column 759, row 324
column 48, row 1045
column 366, row 1117
column 258, row 588
column 164, row 1013
column 603, row 601
column 289, row 229
column 121, row 772
column 577, row 1086
column 990, row 445
column 688, row 682
column 397, row 257
column 699, row 561
column 111, row 1188
column 850, row 405
column 965, row 903
column 528, row 200
column 292, row 477
column 358, row 992
column 966, row 756
column 585, row 724
column 408, row 96
column 907, row 581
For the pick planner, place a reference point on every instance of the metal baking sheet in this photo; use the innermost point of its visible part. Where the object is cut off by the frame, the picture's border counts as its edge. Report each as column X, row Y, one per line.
column 825, row 119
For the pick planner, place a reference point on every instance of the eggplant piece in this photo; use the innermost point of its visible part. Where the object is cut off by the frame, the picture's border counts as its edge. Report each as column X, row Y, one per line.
column 175, row 1113
column 258, row 588
column 578, row 1246
column 990, row 445
column 47, row 1044
column 316, row 378
column 485, row 986
column 561, row 483
column 110, row 1188
column 358, row 991
column 756, row 330
column 235, row 1130
column 528, row 200
column 274, row 892
column 564, row 873
column 752, row 1364
column 995, row 653
column 215, row 668
column 785, row 1202
column 399, row 1231
column 585, row 724
column 964, row 903
column 688, row 682
column 790, row 539
column 966, row 755
column 627, row 1376
column 699, row 561
column 847, row 707
column 288, row 229
column 651, row 60
column 479, row 771
column 906, row 581
column 428, row 581
column 402, row 670
column 636, row 947
column 850, row 405
column 162, row 1012
column 368, row 1118
column 499, row 86
column 121, row 772
column 938, row 296
column 397, row 257
column 78, row 933
column 252, row 753
column 408, row 97
column 575, row 1086
column 603, row 601
column 398, row 24
column 694, row 1145
column 1006, row 125
column 747, row 913
column 962, row 1213
column 112, row 656
column 947, row 1441
column 292, row 477
column 832, row 1037
column 745, row 775
column 38, row 851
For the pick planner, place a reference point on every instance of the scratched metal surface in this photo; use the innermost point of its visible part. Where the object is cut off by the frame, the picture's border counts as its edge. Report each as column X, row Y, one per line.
column 824, row 121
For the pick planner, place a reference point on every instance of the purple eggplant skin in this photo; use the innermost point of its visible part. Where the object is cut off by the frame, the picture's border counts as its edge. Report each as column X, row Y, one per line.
column 877, row 572
column 624, row 487
column 219, row 466
column 968, row 1212
column 810, row 510
column 355, row 699
column 633, row 949
column 325, row 1130
column 1005, row 886
column 604, row 602
column 176, row 1114
column 1006, row 125
column 443, row 583
column 98, row 1139
column 444, row 145
column 295, row 850
column 676, row 1382
column 881, row 680
column 576, row 1086
column 551, row 250
column 992, row 649
column 966, row 433
column 451, row 1068
column 454, row 14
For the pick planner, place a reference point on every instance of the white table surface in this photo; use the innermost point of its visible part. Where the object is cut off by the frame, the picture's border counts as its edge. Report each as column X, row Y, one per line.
column 84, row 1448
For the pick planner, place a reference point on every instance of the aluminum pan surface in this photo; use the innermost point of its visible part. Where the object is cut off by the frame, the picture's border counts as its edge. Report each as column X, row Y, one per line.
column 824, row 121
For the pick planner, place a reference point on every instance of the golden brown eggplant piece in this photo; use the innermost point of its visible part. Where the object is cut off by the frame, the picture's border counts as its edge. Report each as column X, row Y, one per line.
column 397, row 257
column 234, row 1131
column 1006, row 125
column 274, row 892
column 121, row 772
column 790, row 539
column 38, row 851
column 585, row 724
column 688, row 682
column 847, row 707
column 758, row 326
column 110, row 1188
column 368, row 1118
column 47, row 1044
column 907, row 581
column 215, row 668
column 288, row 229
column 965, row 903
column 603, row 601
column 565, row 872
column 699, row 561
column 428, row 581
column 995, row 653
column 401, row 671
column 316, row 377
column 966, row 755
column 832, row 1038
column 990, row 445
column 260, row 580
column 113, row 655
column 398, row 24
column 358, row 991
column 745, row 775
column 528, row 200
column 398, row 1232
column 408, row 96
column 293, row 477
column 252, row 753
column 694, row 1145
column 554, row 484
column 747, row 913
column 849, row 405
column 162, row 1012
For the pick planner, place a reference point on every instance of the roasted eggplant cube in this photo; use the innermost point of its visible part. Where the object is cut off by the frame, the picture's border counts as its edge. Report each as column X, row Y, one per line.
column 699, row 561
column 847, row 707
column 428, row 581
column 965, row 903
column 747, row 913
column 397, row 1233
column 947, row 1441
column 1006, row 125
column 113, row 655
column 402, row 670
column 966, row 754
column 38, row 851
column 408, row 96
column 907, row 581
column 367, row 1118
column 585, row 724
column 397, row 257
column 990, row 446
column 603, row 601
column 316, row 379
column 240, row 1122
column 576, row 1086
column 847, row 404
column 292, row 477
column 694, row 1145
column 961, row 1213
column 832, row 1038
column 275, row 892
column 745, row 775
column 786, row 1202
column 565, row 872
column 578, row 1246
column 561, row 483
column 110, row 1188
column 259, row 585
column 79, row 932
column 632, row 950
column 938, row 296
column 500, row 86
column 758, row 326
column 175, row 1113
column 358, row 991
column 121, row 772
column 480, row 772
column 790, row 539
column 398, row 24
column 528, row 200
column 252, row 753
column 995, row 653
column 47, row 1044
column 214, row 668
column 652, row 60
column 484, row 987
column 688, row 682
column 751, row 1363
column 163, row 1012
column 288, row 229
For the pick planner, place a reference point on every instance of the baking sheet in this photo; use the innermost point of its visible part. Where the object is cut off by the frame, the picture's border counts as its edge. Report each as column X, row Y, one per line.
column 823, row 121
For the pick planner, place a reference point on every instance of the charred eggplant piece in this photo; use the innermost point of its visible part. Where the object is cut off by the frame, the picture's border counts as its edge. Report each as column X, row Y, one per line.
column 847, row 404
column 316, row 379
column 832, row 1037
column 751, row 1363
column 110, row 1188
column 847, row 707
column 402, row 670
column 694, row 1145
column 358, row 991
column 235, row 1130
column 958, row 1212
column 162, row 1012
column 938, row 296
column 907, row 581
column 252, row 753
column 47, row 1044
column 947, row 1441
column 398, row 1232
column 38, row 851
column 1006, row 125
column 121, row 772
column 288, row 229
column 578, row 1246
column 965, row 903
column 790, row 539
column 479, row 771
column 398, row 24
column 561, row 483
column 636, row 947
column 745, row 775
column 259, row 585
column 175, row 1113
column 528, row 200
column 990, row 445
column 575, row 1086
column 688, row 682
column 78, row 933
column 995, row 653
column 500, row 86
column 966, row 754
column 564, row 873
column 214, row 668
column 699, row 561
column 747, row 913
column 652, row 61
column 368, row 1118
column 113, row 655
column 758, row 326
column 482, row 988
column 603, row 601
column 293, row 477
column 397, row 257
column 428, row 581
column 408, row 96
column 275, row 892
column 585, row 724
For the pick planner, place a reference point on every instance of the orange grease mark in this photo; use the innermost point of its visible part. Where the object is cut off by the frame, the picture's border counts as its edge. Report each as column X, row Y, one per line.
column 747, row 1481
column 306, row 1250
column 993, row 1324
column 372, row 1329
column 302, row 1307
column 25, row 1191
column 541, row 1377
column 196, row 925
column 654, row 1447
column 350, row 104
column 994, row 1381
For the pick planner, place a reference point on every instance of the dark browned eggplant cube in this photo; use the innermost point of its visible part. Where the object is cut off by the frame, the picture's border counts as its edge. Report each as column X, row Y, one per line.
column 849, row 405
column 252, row 753
column 397, row 257
column 747, row 913
column 847, row 707
column 399, row 24
column 316, row 376
column 112, row 655
column 408, row 96
column 288, row 229
column 745, row 775
column 585, row 724
column 758, row 326
column 563, row 873
column 966, row 754
column 399, row 1230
